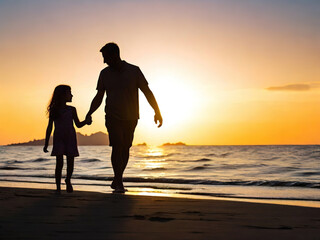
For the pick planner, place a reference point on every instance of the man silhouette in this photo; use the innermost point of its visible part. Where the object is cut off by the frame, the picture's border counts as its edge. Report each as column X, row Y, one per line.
column 121, row 82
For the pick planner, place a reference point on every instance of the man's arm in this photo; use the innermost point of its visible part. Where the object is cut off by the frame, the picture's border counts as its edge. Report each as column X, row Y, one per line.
column 153, row 103
column 96, row 102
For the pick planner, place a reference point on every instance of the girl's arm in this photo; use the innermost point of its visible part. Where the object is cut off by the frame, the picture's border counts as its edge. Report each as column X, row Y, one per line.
column 76, row 119
column 48, row 134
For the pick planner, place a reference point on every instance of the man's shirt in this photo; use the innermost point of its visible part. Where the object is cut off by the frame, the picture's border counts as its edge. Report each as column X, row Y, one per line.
column 122, row 90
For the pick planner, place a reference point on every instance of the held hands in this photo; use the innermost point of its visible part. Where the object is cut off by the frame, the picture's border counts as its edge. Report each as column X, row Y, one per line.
column 88, row 120
column 158, row 118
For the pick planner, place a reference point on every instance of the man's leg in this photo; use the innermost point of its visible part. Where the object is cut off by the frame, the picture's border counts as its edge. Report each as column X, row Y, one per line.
column 117, row 165
column 125, row 158
column 122, row 136
column 129, row 127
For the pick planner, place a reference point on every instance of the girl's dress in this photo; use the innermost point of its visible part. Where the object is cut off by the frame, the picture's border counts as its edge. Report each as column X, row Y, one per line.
column 64, row 136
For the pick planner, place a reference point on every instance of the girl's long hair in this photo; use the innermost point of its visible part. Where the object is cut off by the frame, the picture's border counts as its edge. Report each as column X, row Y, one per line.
column 57, row 100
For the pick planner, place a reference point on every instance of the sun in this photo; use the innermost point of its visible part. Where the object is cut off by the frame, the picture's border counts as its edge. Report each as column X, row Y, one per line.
column 177, row 100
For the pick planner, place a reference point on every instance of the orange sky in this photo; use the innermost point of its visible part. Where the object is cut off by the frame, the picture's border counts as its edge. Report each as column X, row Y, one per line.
column 222, row 72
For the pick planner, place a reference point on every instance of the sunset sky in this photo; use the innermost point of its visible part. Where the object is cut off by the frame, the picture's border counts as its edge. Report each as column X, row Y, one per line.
column 223, row 71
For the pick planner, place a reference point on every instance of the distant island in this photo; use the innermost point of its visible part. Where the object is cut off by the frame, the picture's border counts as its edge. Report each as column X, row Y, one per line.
column 142, row 144
column 98, row 138
column 174, row 144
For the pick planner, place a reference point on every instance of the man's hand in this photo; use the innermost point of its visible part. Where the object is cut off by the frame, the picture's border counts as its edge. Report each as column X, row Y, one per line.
column 88, row 119
column 158, row 118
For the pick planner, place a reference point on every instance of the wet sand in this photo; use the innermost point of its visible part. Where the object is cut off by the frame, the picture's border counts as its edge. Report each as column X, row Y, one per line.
column 42, row 214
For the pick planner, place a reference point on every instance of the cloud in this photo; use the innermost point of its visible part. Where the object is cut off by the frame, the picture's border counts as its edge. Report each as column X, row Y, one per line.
column 295, row 87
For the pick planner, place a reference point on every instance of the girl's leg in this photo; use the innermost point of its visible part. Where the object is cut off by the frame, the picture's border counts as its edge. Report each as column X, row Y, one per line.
column 70, row 165
column 58, row 172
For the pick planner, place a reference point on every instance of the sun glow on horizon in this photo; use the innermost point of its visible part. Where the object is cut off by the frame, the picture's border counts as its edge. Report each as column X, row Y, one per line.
column 153, row 158
column 176, row 97
column 209, row 64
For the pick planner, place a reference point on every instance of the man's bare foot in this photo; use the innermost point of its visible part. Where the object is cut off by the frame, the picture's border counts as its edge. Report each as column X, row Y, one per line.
column 115, row 184
column 118, row 187
column 69, row 186
column 119, row 190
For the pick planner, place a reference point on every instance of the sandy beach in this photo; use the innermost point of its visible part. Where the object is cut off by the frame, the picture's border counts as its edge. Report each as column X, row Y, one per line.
column 41, row 214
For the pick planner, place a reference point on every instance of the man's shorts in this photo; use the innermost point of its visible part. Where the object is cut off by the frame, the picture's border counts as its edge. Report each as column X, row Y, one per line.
column 120, row 132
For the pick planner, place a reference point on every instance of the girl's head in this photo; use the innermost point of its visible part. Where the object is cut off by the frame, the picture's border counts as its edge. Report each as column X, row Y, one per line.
column 61, row 95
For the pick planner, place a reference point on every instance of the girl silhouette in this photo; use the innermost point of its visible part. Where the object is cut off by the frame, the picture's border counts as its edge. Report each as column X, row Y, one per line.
column 64, row 136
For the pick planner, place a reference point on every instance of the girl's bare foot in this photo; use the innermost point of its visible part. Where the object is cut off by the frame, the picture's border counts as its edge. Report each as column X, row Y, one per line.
column 69, row 186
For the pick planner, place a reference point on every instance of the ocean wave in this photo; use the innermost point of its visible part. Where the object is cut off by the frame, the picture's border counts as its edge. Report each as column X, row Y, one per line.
column 155, row 169
column 202, row 160
column 209, row 182
column 237, row 166
column 178, row 190
column 280, row 170
column 21, row 168
column 248, row 197
column 40, row 160
column 223, row 155
column 198, row 168
column 270, row 159
column 13, row 162
column 91, row 160
column 157, row 156
column 185, row 161
column 311, row 154
column 203, row 167
column 9, row 168
column 308, row 173
column 266, row 183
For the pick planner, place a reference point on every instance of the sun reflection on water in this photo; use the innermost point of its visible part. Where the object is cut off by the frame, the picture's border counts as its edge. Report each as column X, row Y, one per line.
column 154, row 160
column 148, row 192
column 155, row 152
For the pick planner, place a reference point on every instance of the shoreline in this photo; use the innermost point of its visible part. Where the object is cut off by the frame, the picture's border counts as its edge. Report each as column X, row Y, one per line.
column 29, row 213
column 158, row 192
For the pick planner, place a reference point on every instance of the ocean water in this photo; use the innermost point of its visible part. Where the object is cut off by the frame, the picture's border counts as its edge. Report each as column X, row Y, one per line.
column 288, row 173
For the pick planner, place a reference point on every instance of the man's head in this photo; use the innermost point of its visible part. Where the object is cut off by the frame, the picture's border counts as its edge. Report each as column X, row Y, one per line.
column 111, row 54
